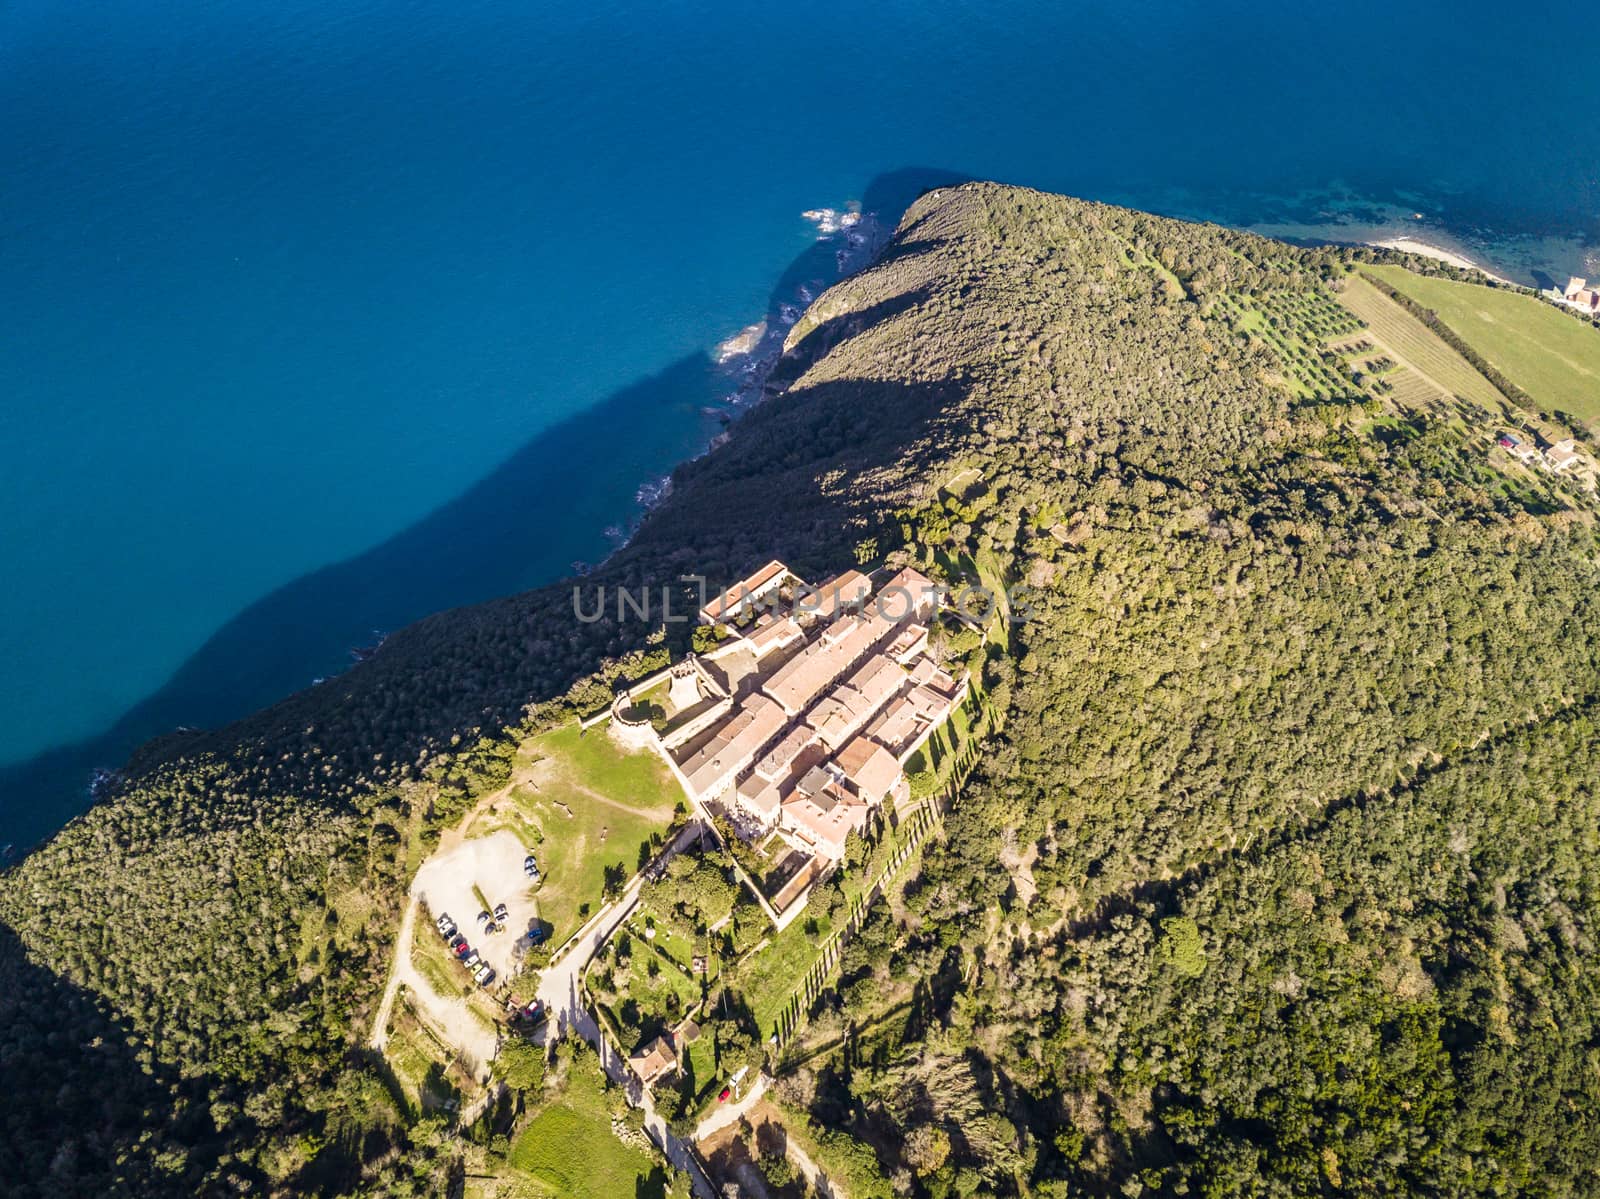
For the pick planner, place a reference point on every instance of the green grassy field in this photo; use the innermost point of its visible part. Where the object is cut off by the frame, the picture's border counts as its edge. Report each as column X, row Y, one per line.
column 675, row 947
column 767, row 979
column 938, row 753
column 1548, row 354
column 588, row 805
column 431, row 956
column 703, row 1064
column 652, row 990
column 1413, row 343
column 569, row 1146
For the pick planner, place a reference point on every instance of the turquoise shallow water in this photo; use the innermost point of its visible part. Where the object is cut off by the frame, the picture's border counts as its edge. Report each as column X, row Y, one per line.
column 321, row 316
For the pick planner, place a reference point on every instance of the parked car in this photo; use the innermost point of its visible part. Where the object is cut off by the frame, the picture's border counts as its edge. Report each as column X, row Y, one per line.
column 536, row 934
column 485, row 975
column 461, row 950
column 501, row 911
column 444, row 921
column 723, row 1097
column 535, row 1012
column 472, row 959
column 483, row 917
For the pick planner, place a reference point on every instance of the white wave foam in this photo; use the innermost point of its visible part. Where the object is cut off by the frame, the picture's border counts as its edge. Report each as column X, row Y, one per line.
column 741, row 343
column 653, row 491
column 832, row 221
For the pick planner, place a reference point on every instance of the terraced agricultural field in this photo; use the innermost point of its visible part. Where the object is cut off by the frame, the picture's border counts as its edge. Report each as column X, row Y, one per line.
column 1550, row 355
column 1409, row 341
column 1411, row 390
column 1297, row 328
column 1316, row 313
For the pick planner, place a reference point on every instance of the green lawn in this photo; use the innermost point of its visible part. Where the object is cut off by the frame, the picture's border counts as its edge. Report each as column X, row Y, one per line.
column 569, row 1146
column 767, row 979
column 640, row 1001
column 640, row 779
column 588, row 805
column 431, row 956
column 703, row 1064
column 672, row 946
column 1548, row 354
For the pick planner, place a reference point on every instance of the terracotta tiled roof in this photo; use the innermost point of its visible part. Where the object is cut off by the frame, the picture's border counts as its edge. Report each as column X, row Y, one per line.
column 824, row 820
column 870, row 767
column 739, row 596
column 797, row 683
column 654, row 1059
column 838, row 595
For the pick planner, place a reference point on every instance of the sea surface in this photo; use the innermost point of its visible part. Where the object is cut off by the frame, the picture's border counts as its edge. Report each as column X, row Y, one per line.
column 324, row 314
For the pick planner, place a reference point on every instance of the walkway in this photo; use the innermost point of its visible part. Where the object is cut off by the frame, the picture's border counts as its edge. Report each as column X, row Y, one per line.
column 402, row 950
column 730, row 1113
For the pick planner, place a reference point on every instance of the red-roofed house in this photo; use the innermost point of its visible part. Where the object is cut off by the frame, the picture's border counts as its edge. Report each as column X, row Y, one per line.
column 653, row 1060
column 910, row 595
column 745, row 594
column 824, row 818
column 833, row 599
column 869, row 768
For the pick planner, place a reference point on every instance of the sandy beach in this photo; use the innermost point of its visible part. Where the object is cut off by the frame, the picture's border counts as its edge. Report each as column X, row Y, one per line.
column 1412, row 245
column 1519, row 259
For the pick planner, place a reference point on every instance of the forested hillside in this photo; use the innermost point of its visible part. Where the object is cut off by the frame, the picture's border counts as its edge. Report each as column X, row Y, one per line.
column 1281, row 876
column 1296, row 790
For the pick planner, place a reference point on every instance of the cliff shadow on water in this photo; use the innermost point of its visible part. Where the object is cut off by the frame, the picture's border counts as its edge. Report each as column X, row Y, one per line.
column 523, row 525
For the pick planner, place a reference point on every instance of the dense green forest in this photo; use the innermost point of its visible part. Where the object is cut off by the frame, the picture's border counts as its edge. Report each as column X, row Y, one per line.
column 1280, row 878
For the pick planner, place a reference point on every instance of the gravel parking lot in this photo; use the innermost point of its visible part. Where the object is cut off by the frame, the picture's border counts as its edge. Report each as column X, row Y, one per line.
column 493, row 865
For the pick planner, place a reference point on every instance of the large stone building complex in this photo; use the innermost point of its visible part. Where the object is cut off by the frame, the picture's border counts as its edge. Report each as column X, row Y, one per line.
column 801, row 720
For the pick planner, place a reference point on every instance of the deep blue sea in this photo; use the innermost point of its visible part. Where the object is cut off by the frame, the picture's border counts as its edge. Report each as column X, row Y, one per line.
column 324, row 314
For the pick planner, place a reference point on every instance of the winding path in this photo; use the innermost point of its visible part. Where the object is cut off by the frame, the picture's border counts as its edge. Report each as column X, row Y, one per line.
column 402, row 953
column 560, row 990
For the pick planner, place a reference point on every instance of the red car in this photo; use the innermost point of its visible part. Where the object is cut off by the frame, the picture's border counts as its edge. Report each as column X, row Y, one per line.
column 462, row 950
column 726, row 1091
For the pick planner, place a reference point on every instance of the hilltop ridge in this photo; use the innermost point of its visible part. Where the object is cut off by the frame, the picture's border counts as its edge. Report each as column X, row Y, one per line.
column 1246, row 895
